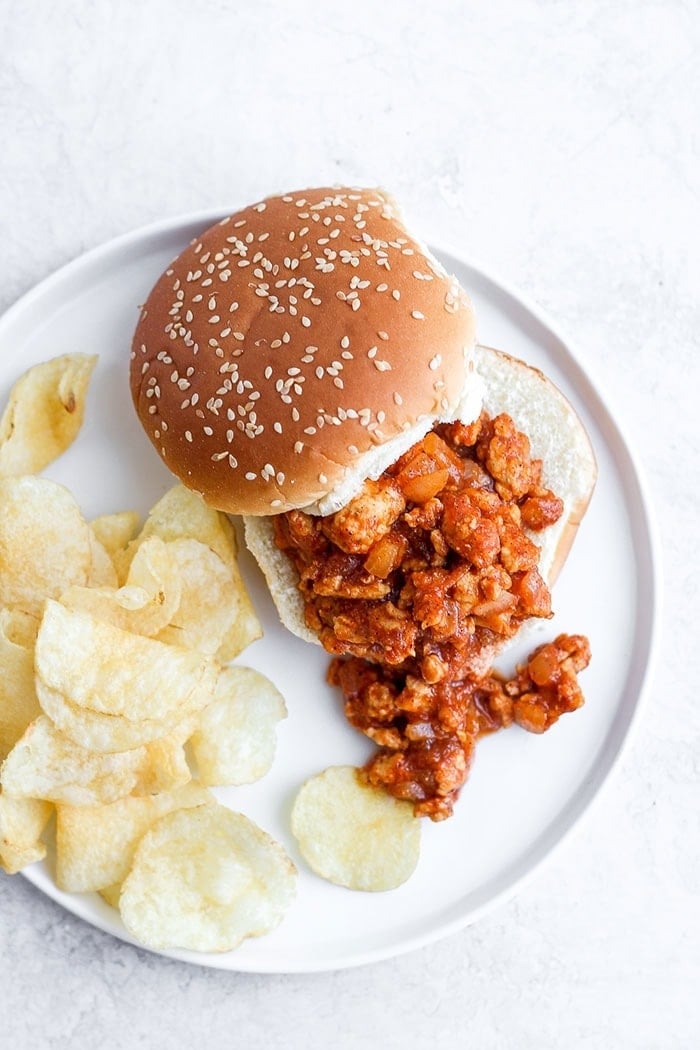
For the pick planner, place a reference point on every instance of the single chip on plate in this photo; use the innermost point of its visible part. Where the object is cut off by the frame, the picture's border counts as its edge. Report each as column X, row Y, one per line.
column 44, row 413
column 235, row 738
column 205, row 879
column 354, row 834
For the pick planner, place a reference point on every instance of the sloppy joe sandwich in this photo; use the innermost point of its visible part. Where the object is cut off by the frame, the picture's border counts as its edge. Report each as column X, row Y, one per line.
column 409, row 495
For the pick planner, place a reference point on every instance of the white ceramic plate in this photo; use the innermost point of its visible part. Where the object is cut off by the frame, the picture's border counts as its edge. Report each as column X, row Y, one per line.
column 525, row 793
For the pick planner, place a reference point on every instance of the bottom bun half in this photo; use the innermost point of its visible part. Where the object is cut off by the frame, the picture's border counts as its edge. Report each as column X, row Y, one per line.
column 557, row 437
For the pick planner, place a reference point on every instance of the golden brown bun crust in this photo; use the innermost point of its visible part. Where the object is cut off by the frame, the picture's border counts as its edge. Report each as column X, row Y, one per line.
column 290, row 339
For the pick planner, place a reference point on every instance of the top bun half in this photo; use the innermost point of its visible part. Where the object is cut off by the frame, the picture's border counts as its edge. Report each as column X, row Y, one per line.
column 298, row 347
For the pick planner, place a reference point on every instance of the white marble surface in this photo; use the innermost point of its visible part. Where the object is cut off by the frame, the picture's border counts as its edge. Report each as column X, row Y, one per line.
column 558, row 143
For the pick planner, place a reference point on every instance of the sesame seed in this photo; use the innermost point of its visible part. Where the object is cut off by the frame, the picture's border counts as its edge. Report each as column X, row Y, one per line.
column 418, row 315
column 298, row 446
column 382, row 366
column 435, row 362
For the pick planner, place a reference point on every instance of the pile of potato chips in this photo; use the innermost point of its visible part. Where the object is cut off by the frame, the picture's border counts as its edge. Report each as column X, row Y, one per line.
column 120, row 707
column 113, row 646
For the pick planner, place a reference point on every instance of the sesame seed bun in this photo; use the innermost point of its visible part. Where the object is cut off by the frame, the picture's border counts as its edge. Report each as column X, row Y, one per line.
column 297, row 348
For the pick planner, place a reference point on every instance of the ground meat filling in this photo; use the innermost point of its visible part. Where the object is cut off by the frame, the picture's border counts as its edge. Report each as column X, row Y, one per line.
column 427, row 734
column 417, row 581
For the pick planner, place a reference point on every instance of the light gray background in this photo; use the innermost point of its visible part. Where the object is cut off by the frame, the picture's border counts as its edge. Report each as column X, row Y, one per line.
column 557, row 143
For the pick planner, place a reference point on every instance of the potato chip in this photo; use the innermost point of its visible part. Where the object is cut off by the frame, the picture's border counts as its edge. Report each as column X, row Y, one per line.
column 101, row 572
column 245, row 627
column 46, row 764
column 183, row 514
column 22, row 822
column 205, row 879
column 147, row 601
column 112, row 690
column 18, row 626
column 215, row 615
column 44, row 413
column 98, row 731
column 44, row 542
column 95, row 844
column 156, row 570
column 235, row 738
column 18, row 699
column 165, row 764
column 115, row 531
column 354, row 834
column 111, row 894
